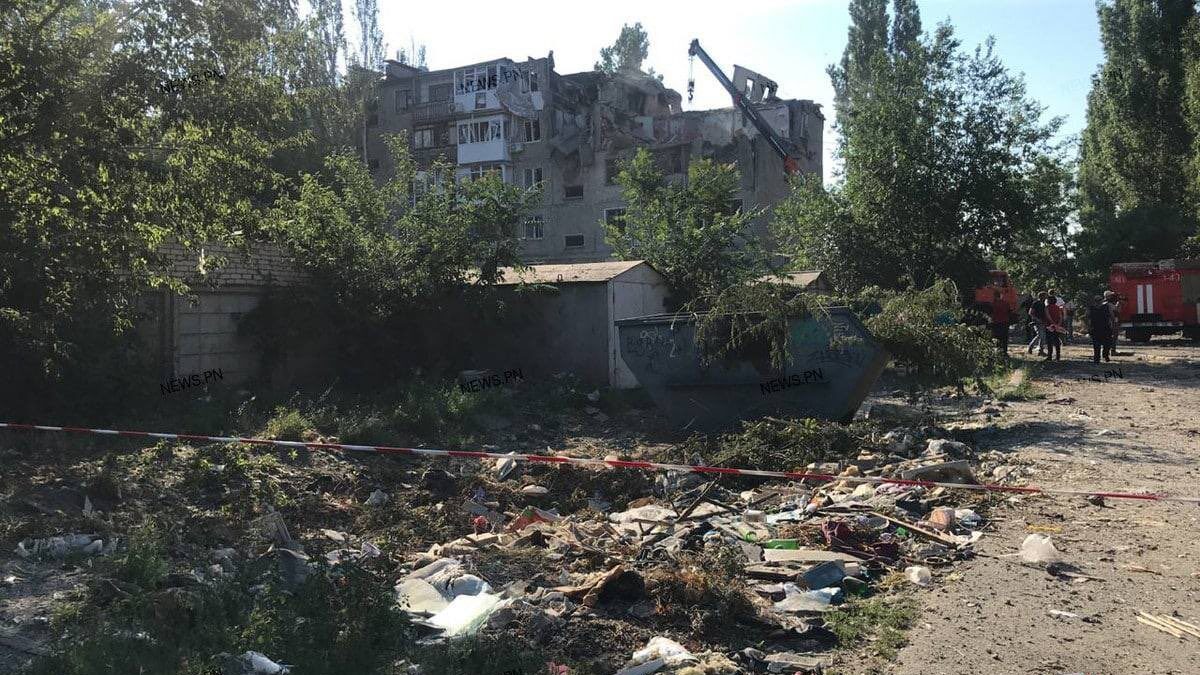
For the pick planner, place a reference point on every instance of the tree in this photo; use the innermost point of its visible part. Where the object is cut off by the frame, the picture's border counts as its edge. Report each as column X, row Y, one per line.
column 369, row 58
column 941, row 152
column 627, row 54
column 386, row 259
column 120, row 130
column 691, row 233
column 1138, row 149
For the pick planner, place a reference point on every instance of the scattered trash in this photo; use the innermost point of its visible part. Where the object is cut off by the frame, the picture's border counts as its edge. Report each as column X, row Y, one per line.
column 377, row 498
column 1038, row 548
column 59, row 547
column 535, row 490
column 919, row 575
column 250, row 663
column 1059, row 614
column 465, row 614
column 817, row 600
column 658, row 653
column 1169, row 624
column 1096, row 500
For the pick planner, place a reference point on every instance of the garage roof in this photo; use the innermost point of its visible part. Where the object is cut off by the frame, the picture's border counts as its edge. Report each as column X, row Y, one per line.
column 569, row 273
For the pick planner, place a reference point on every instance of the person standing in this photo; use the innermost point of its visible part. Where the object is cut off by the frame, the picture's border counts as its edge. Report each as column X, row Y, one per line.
column 1026, row 303
column 1000, row 320
column 1114, row 320
column 1037, row 312
column 1100, row 327
column 1054, row 328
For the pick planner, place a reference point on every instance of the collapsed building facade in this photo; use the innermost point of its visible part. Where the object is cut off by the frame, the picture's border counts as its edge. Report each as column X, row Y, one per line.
column 570, row 133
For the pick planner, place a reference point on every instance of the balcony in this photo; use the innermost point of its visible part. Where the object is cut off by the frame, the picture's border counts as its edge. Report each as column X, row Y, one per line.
column 430, row 112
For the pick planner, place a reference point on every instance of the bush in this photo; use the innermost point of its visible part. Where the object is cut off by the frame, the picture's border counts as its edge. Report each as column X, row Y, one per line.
column 922, row 329
column 288, row 424
column 787, row 445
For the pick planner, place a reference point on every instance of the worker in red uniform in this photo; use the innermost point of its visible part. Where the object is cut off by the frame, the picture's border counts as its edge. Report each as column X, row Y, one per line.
column 1054, row 328
column 1001, row 318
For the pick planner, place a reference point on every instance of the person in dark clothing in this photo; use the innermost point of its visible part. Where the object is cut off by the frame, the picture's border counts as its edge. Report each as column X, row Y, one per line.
column 1000, row 320
column 1026, row 303
column 1100, row 327
column 1037, row 312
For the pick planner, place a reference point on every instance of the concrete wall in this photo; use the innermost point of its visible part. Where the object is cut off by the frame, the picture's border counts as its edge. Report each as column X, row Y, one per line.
column 639, row 292
column 550, row 332
column 199, row 332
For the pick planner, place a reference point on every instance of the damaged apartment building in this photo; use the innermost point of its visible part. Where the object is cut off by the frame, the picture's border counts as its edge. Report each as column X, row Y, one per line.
column 570, row 133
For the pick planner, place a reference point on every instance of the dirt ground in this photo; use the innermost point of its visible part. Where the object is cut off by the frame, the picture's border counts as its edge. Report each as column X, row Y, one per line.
column 1139, row 431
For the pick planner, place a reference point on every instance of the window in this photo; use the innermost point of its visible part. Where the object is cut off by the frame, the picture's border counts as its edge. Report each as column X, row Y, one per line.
column 440, row 92
column 533, row 130
column 481, row 170
column 615, row 218
column 480, row 132
column 480, row 101
column 535, row 228
column 636, row 102
column 669, row 161
column 573, row 241
column 573, row 192
column 402, row 100
column 423, row 138
column 532, row 177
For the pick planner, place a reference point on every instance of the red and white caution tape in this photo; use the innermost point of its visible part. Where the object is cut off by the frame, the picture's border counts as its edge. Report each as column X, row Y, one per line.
column 616, row 463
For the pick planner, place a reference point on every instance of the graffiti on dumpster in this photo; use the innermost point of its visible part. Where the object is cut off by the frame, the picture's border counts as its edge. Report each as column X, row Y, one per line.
column 650, row 344
column 844, row 357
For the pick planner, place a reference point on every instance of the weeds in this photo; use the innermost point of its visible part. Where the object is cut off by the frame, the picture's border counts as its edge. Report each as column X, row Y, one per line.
column 705, row 589
column 883, row 619
column 783, row 445
column 1013, row 385
column 145, row 559
column 482, row 655
column 288, row 424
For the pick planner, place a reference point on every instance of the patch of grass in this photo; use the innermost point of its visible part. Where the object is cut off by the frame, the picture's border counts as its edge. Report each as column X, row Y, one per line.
column 287, row 424
column 883, row 620
column 145, row 560
column 1013, row 385
column 339, row 621
column 482, row 655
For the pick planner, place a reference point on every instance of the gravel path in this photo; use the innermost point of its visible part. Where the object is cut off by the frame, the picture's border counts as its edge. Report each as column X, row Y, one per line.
column 1136, row 431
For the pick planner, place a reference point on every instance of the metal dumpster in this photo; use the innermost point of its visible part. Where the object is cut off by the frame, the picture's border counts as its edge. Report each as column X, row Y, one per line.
column 834, row 364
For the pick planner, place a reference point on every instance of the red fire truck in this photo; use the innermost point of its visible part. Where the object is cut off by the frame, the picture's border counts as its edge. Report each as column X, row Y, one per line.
column 1158, row 298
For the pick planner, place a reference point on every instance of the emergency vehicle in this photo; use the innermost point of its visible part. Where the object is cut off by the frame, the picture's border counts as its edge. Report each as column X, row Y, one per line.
column 1158, row 298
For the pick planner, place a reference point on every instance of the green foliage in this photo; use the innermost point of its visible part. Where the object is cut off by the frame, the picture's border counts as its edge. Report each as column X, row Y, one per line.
column 690, row 232
column 388, row 260
column 751, row 318
column 882, row 621
column 287, row 424
column 946, row 161
column 627, row 53
column 486, row 655
column 337, row 621
column 145, row 560
column 1139, row 192
column 788, row 445
column 922, row 329
column 1013, row 385
column 102, row 163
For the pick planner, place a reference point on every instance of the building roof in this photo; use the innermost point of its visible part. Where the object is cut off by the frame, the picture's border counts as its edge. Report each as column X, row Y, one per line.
column 568, row 273
column 803, row 278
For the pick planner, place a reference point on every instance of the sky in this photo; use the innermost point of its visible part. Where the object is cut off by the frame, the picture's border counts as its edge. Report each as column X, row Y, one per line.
column 1055, row 43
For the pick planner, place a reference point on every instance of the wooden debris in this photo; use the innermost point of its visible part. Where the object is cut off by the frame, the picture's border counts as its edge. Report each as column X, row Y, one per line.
column 807, row 555
column 1169, row 624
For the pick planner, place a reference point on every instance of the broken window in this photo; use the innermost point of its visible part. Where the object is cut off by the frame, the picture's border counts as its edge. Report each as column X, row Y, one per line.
column 480, row 101
column 535, row 228
column 669, row 161
column 533, row 177
column 573, row 241
column 423, row 138
column 402, row 100
column 637, row 102
column 573, row 192
column 440, row 92
column 615, row 218
column 529, row 82
column 533, row 130
column 480, row 132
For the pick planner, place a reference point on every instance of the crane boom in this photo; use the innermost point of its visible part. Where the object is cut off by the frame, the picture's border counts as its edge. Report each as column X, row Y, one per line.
column 747, row 109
